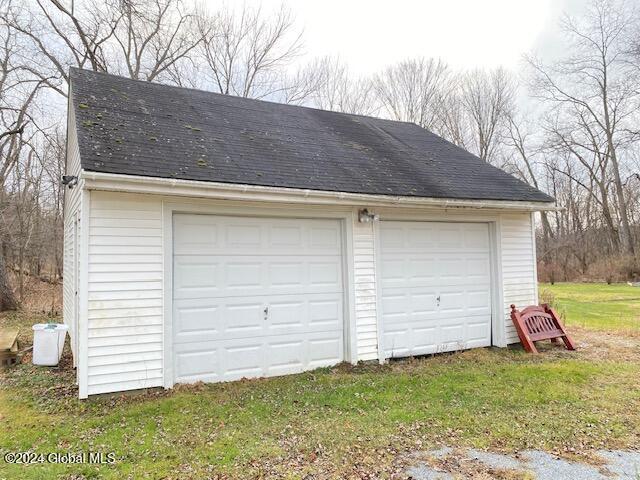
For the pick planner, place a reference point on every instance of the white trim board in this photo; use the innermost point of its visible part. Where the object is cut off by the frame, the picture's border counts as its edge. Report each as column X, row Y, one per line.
column 83, row 293
column 228, row 191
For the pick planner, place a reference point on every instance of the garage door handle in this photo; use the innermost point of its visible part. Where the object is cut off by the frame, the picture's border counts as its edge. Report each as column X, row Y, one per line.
column 438, row 301
column 266, row 312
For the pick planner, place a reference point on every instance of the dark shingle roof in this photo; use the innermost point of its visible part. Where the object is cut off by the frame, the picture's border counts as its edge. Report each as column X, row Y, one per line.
column 140, row 128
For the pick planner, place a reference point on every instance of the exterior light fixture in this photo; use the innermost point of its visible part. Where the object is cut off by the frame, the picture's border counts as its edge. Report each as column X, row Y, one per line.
column 69, row 180
column 364, row 216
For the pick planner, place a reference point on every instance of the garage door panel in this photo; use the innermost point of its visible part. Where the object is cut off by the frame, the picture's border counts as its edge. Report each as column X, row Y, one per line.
column 419, row 237
column 435, row 286
column 423, row 302
column 286, row 273
column 394, row 303
column 476, row 331
column 239, row 274
column 402, row 270
column 478, row 300
column 476, row 237
column 421, row 270
column 194, row 234
column 242, row 317
column 214, row 319
column 423, row 295
column 234, row 359
column 397, row 342
column 208, row 235
column 242, row 235
column 194, row 278
column 325, row 273
column 424, row 340
column 451, row 302
column 452, row 269
column 393, row 271
column 325, row 350
column 453, row 317
column 285, row 236
column 449, row 236
column 204, row 276
column 324, row 237
column 325, row 312
column 478, row 268
column 242, row 359
column 392, row 238
column 286, row 314
column 286, row 355
column 197, row 320
column 265, row 299
column 194, row 365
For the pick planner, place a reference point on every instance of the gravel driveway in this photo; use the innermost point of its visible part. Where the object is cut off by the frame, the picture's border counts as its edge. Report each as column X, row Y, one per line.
column 446, row 463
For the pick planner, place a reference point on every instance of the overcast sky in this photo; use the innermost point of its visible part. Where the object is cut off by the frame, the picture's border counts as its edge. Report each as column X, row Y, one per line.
column 370, row 34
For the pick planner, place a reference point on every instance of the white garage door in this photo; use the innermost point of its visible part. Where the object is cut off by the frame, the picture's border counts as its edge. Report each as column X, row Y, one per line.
column 255, row 297
column 436, row 287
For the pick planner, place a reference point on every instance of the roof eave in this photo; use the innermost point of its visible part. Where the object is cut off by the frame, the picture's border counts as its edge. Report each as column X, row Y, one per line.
column 232, row 191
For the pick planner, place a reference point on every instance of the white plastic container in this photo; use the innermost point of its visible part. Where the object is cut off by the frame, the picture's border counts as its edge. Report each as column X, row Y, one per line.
column 48, row 342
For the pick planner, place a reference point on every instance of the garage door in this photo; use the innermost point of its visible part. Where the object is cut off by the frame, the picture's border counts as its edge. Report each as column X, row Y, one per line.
column 255, row 297
column 435, row 282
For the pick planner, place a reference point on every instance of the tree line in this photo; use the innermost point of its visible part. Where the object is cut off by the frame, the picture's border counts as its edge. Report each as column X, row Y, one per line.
column 568, row 125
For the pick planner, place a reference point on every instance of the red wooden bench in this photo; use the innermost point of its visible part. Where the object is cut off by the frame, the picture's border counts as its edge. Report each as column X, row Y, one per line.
column 539, row 322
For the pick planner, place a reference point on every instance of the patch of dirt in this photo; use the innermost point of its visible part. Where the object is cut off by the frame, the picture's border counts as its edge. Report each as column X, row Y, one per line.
column 596, row 345
column 50, row 382
column 40, row 296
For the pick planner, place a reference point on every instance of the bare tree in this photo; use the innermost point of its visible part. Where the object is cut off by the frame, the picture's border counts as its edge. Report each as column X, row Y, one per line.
column 414, row 91
column 142, row 39
column 18, row 92
column 244, row 52
column 155, row 35
column 487, row 100
column 340, row 92
column 452, row 117
column 594, row 93
column 300, row 87
column 519, row 138
column 55, row 37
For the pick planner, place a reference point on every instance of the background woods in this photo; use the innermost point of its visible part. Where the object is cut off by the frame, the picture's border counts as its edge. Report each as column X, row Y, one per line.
column 569, row 125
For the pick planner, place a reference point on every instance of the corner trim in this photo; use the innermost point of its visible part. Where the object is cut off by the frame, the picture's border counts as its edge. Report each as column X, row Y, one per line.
column 83, row 292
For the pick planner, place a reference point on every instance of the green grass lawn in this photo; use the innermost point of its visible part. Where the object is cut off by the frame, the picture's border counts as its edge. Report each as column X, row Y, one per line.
column 595, row 305
column 344, row 422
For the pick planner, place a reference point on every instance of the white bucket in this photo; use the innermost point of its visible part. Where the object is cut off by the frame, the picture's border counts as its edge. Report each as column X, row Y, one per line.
column 48, row 342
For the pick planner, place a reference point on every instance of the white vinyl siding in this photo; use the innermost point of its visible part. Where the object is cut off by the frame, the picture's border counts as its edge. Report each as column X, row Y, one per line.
column 518, row 266
column 123, row 329
column 125, row 308
column 72, row 210
column 365, row 290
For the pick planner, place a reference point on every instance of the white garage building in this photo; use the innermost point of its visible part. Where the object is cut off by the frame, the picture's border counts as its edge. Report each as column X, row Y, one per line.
column 211, row 238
